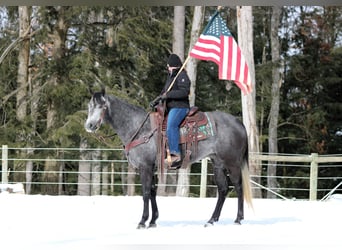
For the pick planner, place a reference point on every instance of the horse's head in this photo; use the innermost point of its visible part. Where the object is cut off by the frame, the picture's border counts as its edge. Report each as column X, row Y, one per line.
column 97, row 108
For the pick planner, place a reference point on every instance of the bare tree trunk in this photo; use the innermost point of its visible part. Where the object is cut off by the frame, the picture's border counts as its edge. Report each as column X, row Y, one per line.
column 112, row 177
column 22, row 80
column 34, row 101
column 96, row 173
column 23, row 61
column 83, row 180
column 130, row 181
column 274, row 112
column 191, row 67
column 28, row 173
column 183, row 187
column 61, row 166
column 105, row 174
column 245, row 39
column 161, row 191
column 178, row 31
column 58, row 38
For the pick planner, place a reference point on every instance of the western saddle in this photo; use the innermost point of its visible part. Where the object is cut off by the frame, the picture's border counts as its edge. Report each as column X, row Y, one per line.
column 196, row 126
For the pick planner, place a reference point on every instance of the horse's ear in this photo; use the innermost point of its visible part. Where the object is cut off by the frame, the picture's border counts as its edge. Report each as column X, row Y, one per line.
column 91, row 92
column 103, row 90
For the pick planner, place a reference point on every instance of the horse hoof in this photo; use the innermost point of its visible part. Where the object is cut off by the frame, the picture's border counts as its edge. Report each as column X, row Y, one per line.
column 237, row 223
column 208, row 224
column 153, row 225
column 141, row 226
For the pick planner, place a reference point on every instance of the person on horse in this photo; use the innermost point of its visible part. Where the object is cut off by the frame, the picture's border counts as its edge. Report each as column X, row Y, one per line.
column 177, row 104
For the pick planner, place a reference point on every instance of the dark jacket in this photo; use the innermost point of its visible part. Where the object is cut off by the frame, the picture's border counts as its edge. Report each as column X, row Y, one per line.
column 178, row 96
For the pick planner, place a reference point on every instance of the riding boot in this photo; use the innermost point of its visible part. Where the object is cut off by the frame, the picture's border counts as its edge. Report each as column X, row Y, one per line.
column 173, row 162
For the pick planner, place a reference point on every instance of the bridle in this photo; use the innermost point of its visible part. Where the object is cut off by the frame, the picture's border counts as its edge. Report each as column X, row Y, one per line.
column 103, row 113
column 98, row 124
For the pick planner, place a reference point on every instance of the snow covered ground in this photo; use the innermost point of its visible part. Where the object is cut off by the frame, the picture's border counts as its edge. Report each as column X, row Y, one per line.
column 107, row 222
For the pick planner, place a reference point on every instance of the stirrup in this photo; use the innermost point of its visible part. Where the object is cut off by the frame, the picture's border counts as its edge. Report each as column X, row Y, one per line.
column 175, row 165
column 173, row 162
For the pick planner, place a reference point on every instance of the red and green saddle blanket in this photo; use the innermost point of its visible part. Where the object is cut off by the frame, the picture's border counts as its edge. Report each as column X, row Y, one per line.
column 196, row 127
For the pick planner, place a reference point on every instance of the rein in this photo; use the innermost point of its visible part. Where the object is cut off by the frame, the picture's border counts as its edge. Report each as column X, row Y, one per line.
column 144, row 139
column 103, row 138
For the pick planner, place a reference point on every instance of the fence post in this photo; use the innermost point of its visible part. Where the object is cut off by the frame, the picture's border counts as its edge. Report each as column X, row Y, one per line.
column 313, row 176
column 204, row 170
column 4, row 172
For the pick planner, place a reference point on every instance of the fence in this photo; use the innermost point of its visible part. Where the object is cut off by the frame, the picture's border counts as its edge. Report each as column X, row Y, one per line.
column 105, row 171
column 313, row 163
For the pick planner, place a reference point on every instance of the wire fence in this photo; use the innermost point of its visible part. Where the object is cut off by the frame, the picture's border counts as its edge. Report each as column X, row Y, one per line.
column 75, row 171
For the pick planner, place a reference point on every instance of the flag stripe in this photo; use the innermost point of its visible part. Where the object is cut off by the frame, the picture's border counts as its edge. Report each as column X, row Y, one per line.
column 225, row 59
column 238, row 64
column 207, row 48
column 206, row 56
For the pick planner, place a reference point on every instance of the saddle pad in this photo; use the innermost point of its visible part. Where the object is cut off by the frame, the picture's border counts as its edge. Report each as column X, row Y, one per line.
column 203, row 129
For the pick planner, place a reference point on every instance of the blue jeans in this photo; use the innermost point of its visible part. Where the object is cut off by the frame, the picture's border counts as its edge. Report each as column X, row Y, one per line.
column 175, row 117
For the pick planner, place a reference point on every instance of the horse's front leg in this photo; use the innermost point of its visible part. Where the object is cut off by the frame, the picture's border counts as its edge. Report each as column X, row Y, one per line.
column 149, row 193
column 155, row 212
column 145, row 215
column 146, row 183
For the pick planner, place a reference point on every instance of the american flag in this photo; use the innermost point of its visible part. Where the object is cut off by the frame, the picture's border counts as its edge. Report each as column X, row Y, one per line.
column 217, row 44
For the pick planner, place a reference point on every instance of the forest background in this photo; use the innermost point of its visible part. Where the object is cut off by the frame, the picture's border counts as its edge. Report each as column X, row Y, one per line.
column 51, row 55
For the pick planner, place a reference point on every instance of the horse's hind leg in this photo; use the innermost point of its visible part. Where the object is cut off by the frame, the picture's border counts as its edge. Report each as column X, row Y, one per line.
column 155, row 212
column 236, row 179
column 221, row 179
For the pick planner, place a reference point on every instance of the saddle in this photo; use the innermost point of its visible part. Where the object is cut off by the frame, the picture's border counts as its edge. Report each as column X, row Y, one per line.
column 195, row 127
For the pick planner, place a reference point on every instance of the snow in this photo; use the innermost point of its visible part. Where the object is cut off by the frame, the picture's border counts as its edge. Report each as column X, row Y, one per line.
column 109, row 222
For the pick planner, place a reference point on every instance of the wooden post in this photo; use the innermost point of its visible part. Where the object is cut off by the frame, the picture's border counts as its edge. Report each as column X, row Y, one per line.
column 204, row 171
column 313, row 176
column 4, row 172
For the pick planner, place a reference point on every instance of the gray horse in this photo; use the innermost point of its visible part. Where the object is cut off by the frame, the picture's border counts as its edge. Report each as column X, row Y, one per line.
column 227, row 149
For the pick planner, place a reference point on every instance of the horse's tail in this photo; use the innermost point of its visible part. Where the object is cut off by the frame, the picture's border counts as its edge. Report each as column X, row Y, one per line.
column 246, row 183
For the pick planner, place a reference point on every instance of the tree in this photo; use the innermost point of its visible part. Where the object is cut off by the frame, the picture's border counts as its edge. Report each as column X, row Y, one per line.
column 23, row 59
column 178, row 31
column 96, row 173
column 274, row 112
column 24, row 13
column 245, row 34
column 191, row 66
column 83, row 179
column 311, row 82
column 55, row 48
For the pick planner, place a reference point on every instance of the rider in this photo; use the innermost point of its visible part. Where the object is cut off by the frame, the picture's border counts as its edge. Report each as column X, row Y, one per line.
column 177, row 103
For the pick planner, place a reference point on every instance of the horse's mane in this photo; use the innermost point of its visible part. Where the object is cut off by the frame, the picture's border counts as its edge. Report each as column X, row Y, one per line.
column 126, row 104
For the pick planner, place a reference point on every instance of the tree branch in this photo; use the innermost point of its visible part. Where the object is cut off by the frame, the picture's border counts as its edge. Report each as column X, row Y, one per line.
column 26, row 35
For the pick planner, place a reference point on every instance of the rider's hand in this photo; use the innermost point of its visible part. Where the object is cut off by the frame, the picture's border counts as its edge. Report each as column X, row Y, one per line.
column 153, row 104
column 163, row 97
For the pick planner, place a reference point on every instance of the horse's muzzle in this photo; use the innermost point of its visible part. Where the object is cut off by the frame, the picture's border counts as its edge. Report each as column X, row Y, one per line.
column 92, row 127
